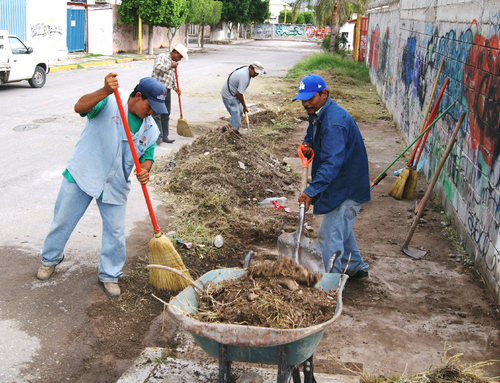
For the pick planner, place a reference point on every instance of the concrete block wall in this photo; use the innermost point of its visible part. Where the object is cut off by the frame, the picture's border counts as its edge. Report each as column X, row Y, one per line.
column 407, row 40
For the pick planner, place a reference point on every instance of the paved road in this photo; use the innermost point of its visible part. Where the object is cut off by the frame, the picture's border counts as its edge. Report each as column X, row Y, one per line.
column 38, row 130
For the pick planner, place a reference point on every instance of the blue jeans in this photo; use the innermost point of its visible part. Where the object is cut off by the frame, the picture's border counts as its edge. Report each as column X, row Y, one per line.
column 335, row 233
column 235, row 109
column 71, row 203
column 162, row 120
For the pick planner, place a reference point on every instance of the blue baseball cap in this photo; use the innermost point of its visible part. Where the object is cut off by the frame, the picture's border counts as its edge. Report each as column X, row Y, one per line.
column 155, row 92
column 309, row 86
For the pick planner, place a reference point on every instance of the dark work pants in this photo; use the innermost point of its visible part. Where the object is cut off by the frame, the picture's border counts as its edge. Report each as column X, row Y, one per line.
column 162, row 119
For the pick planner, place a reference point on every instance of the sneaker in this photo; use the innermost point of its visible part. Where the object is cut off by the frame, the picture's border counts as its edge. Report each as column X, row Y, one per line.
column 45, row 272
column 111, row 288
column 360, row 275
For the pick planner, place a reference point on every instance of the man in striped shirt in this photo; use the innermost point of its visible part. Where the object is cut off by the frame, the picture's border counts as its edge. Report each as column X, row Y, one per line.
column 164, row 71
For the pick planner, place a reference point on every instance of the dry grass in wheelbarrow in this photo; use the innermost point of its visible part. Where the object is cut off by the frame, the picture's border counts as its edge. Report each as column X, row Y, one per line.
column 277, row 295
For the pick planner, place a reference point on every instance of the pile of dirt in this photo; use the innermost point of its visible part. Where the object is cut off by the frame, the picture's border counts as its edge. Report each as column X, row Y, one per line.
column 214, row 186
column 271, row 294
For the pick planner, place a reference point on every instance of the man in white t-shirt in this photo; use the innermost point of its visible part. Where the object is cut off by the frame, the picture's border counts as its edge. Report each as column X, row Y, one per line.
column 233, row 89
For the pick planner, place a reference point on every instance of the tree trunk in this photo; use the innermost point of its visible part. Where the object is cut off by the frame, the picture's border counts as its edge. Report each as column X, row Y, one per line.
column 202, row 35
column 150, row 40
column 335, row 16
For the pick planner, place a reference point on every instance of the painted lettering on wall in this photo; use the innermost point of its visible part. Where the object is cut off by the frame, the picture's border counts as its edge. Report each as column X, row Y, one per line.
column 289, row 30
column 48, row 29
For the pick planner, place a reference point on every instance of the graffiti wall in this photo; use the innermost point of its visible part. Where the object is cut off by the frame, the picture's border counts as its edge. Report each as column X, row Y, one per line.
column 404, row 53
column 47, row 28
column 289, row 31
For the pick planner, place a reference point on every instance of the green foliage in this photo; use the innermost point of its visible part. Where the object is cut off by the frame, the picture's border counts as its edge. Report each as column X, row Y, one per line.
column 150, row 11
column 288, row 16
column 300, row 19
column 340, row 44
column 326, row 61
column 174, row 13
column 259, row 11
column 308, row 18
column 235, row 11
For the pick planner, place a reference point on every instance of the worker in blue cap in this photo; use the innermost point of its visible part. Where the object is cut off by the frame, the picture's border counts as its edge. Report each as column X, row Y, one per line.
column 340, row 180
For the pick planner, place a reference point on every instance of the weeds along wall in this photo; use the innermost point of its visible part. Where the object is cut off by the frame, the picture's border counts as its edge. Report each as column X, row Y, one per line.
column 407, row 40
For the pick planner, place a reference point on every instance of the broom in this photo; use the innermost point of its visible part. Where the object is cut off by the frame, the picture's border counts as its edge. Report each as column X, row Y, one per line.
column 409, row 172
column 182, row 125
column 411, row 184
column 161, row 249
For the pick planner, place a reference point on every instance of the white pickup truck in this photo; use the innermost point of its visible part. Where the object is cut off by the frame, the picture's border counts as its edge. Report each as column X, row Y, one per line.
column 17, row 62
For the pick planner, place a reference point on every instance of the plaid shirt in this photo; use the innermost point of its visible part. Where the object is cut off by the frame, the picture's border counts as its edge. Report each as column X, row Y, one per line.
column 163, row 71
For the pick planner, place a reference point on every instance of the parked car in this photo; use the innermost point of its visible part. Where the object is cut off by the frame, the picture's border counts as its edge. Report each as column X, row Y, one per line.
column 18, row 62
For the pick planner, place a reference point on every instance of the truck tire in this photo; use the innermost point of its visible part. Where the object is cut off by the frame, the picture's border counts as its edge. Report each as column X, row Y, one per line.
column 39, row 77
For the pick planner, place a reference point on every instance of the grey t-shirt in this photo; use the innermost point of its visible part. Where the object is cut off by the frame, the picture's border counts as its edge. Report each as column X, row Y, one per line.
column 238, row 82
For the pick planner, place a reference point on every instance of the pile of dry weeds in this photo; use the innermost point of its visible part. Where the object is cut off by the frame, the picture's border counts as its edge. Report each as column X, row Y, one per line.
column 272, row 294
column 224, row 161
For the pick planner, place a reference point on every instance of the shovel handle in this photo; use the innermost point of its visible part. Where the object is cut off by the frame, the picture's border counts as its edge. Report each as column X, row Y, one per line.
column 177, row 83
column 434, row 179
column 305, row 165
column 136, row 159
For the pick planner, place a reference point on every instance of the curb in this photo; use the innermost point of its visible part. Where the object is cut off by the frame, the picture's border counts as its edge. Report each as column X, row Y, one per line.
column 96, row 63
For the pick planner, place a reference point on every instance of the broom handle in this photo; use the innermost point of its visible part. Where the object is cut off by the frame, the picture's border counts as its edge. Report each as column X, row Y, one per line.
column 434, row 179
column 136, row 160
column 177, row 82
column 428, row 107
column 430, row 118
column 383, row 174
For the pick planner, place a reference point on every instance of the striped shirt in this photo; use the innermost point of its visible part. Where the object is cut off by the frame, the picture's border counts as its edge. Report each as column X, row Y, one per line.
column 163, row 71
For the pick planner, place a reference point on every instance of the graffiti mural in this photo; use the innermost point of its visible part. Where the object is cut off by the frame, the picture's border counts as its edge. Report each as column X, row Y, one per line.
column 262, row 31
column 317, row 33
column 471, row 63
column 289, row 30
column 48, row 29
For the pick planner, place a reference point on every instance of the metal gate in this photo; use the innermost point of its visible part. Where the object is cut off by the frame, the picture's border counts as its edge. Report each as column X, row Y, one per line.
column 13, row 17
column 75, row 38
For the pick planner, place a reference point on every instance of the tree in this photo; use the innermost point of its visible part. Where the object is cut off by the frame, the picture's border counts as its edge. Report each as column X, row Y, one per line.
column 259, row 11
column 288, row 16
column 235, row 12
column 202, row 13
column 215, row 19
column 308, row 18
column 334, row 13
column 154, row 13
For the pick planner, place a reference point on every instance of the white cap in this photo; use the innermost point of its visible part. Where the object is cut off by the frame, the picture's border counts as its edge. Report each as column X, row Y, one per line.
column 182, row 50
column 257, row 67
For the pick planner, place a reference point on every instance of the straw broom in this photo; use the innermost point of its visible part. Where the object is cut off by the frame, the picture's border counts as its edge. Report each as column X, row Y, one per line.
column 182, row 125
column 411, row 183
column 161, row 249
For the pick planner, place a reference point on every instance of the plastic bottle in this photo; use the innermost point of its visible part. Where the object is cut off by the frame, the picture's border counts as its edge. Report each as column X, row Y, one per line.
column 268, row 202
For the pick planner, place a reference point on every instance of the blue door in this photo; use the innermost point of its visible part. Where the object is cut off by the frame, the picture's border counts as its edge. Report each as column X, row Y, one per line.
column 76, row 30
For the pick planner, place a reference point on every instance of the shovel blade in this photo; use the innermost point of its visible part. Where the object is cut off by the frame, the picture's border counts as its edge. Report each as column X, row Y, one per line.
column 412, row 252
column 309, row 251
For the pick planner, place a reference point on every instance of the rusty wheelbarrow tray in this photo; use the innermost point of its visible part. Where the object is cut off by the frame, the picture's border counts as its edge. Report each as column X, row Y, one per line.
column 240, row 343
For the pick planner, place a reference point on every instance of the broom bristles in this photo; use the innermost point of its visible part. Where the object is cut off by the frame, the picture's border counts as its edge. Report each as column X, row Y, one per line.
column 183, row 128
column 397, row 187
column 410, row 185
column 162, row 252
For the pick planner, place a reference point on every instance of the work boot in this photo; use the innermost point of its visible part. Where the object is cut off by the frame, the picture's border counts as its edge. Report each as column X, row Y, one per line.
column 45, row 272
column 360, row 275
column 167, row 141
column 111, row 288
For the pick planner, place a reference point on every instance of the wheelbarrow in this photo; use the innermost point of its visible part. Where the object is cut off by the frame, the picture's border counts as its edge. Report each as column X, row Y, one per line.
column 290, row 349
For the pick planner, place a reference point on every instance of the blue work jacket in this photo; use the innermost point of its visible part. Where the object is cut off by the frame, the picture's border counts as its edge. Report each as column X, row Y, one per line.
column 340, row 165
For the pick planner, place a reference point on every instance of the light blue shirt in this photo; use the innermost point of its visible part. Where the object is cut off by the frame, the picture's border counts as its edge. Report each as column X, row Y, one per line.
column 101, row 162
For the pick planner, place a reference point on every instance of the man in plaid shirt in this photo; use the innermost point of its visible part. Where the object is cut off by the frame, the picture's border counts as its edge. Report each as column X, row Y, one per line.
column 164, row 71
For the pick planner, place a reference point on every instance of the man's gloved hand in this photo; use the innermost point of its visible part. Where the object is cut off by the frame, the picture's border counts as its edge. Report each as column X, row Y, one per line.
column 307, row 150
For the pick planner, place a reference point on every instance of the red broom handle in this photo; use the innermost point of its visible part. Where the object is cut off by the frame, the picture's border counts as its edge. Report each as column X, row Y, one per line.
column 430, row 119
column 136, row 159
column 427, row 110
column 177, row 82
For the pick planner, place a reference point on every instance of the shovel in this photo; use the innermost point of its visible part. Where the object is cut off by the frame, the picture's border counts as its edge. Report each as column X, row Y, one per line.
column 304, row 251
column 410, row 251
column 248, row 124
